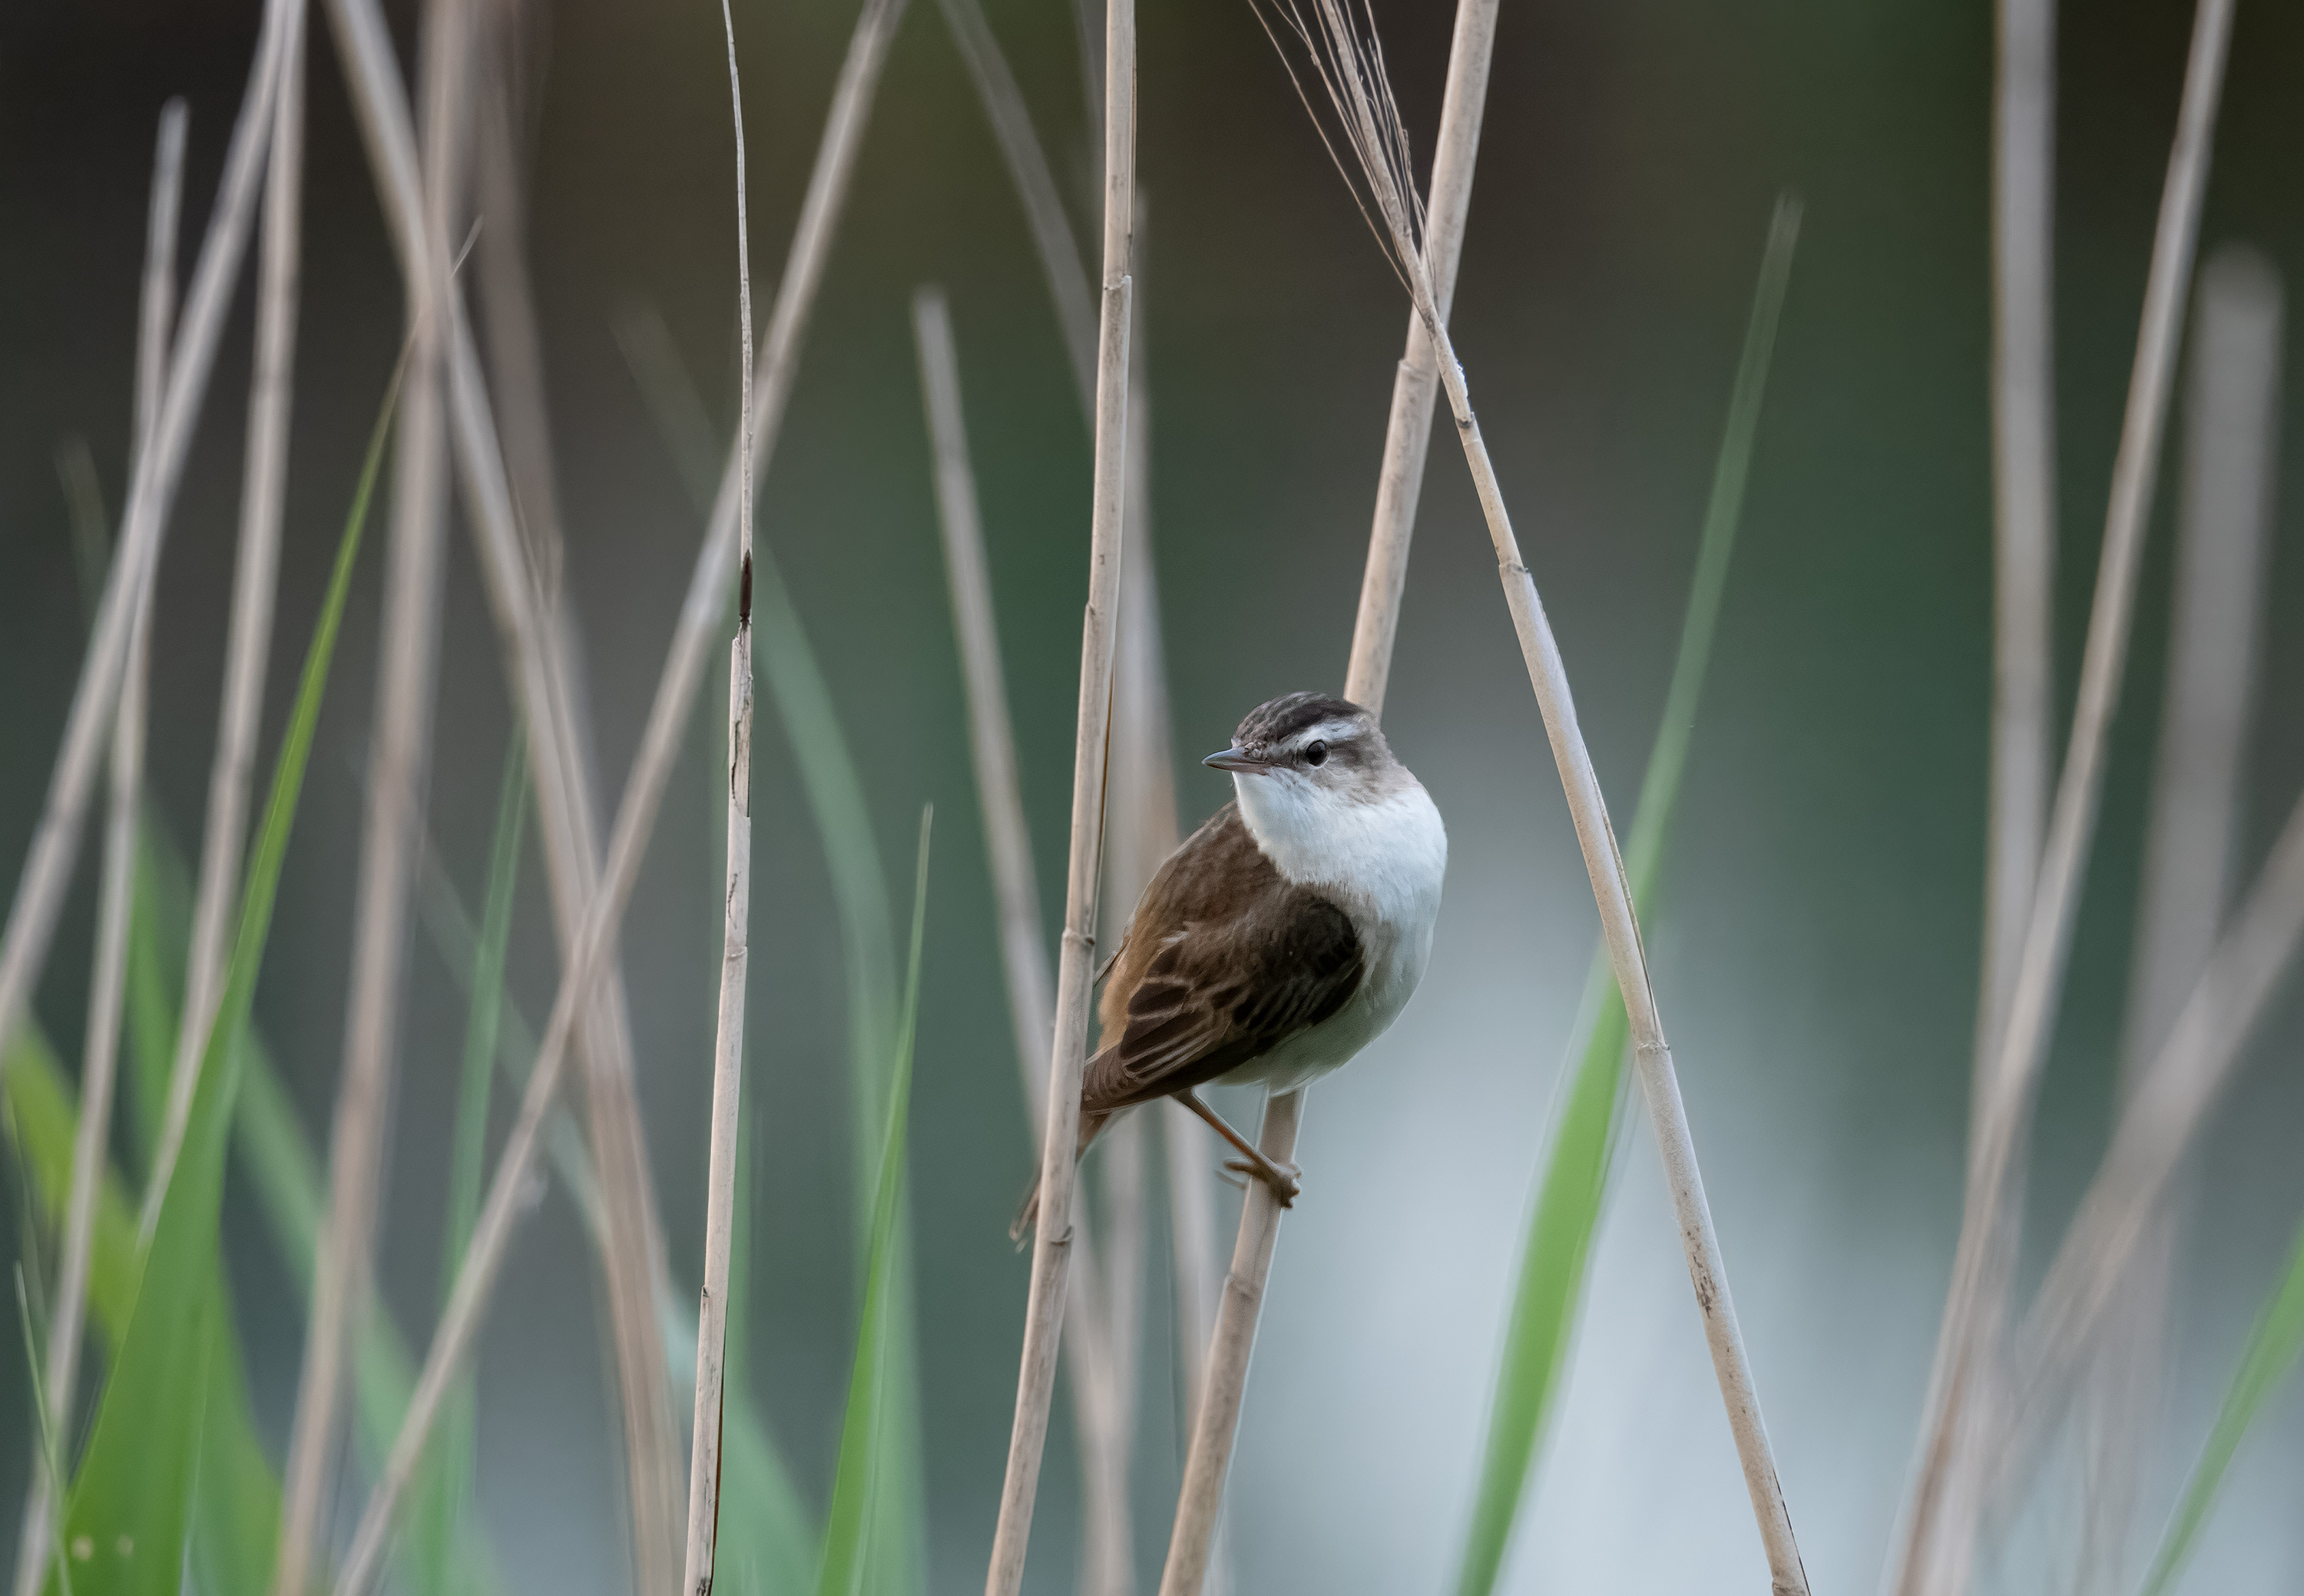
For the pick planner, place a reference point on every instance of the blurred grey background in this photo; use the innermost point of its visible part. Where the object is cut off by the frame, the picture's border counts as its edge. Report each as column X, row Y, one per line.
column 1817, row 953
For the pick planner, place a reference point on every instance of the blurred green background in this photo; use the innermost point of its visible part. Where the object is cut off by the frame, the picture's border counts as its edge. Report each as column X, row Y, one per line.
column 1816, row 956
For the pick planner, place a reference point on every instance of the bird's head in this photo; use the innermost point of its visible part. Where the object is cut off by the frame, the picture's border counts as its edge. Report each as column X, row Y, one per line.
column 1300, row 758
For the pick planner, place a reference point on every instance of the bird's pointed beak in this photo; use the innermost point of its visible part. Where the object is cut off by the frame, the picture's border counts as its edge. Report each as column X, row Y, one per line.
column 1233, row 759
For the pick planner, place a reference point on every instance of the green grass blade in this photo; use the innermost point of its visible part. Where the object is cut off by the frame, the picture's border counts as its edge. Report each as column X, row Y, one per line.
column 443, row 1488
column 132, row 1498
column 2273, row 1347
column 51, row 1453
column 1574, row 1179
column 857, row 1530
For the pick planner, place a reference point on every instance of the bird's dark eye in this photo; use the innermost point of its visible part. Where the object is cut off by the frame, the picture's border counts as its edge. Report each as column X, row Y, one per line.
column 1316, row 753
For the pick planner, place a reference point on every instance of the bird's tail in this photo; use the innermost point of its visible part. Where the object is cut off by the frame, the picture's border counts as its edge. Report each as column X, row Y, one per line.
column 1092, row 1122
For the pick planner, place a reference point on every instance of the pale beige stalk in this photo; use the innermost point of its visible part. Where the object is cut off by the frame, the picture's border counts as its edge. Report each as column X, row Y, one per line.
column 517, row 553
column 735, row 949
column 414, row 566
column 2024, row 534
column 2024, row 491
column 1936, row 1549
column 701, row 613
column 1036, row 189
column 1053, row 1237
column 108, row 981
column 2232, row 429
column 248, row 644
column 1023, row 945
column 47, row 867
column 1217, row 1394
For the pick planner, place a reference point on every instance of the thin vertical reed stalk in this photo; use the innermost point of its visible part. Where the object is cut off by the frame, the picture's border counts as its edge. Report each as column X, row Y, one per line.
column 1036, row 187
column 518, row 560
column 1353, row 74
column 661, row 735
column 1937, row 1550
column 1408, row 430
column 1052, row 1238
column 407, row 672
column 2232, row 423
column 1023, row 945
column 48, row 866
column 735, row 954
column 2171, row 1101
column 2024, row 491
column 107, row 984
column 256, row 571
column 1140, row 833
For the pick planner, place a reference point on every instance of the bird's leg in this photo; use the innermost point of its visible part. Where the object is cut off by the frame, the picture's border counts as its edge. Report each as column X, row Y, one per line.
column 1282, row 1178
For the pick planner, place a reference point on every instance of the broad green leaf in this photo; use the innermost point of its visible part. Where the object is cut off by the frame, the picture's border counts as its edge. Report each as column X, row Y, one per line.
column 2272, row 1346
column 131, row 1501
column 1573, row 1182
column 853, row 1536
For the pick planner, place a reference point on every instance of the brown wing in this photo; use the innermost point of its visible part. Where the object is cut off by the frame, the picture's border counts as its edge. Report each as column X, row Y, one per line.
column 1224, row 961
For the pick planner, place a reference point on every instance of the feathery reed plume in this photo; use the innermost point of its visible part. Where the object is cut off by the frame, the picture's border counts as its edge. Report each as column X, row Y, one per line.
column 2024, row 492
column 643, row 791
column 107, row 983
column 1351, row 68
column 256, row 571
column 1023, row 945
column 407, row 675
column 735, row 954
column 541, row 665
column 1036, row 187
column 2231, row 427
column 1937, row 1547
column 1215, row 1397
column 1052, row 1238
column 152, row 486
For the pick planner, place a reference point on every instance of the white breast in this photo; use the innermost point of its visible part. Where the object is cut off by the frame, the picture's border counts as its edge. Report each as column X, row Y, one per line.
column 1384, row 861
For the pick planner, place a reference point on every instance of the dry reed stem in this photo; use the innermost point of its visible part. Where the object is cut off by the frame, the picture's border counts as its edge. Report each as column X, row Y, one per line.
column 1408, row 434
column 1353, row 71
column 1053, row 1237
column 2171, row 1101
column 407, row 677
column 108, row 981
column 1023, row 945
column 661, row 735
column 2024, row 492
column 514, row 341
column 247, row 645
column 735, row 954
column 1036, row 189
column 2231, row 410
column 1217, row 1395
column 1936, row 1549
column 542, row 666
column 46, row 872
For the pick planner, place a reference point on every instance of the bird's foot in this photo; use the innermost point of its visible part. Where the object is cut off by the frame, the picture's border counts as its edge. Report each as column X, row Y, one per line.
column 1285, row 1181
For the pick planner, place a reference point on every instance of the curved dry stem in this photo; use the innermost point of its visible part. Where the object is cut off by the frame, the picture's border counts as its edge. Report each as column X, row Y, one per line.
column 1938, row 1546
column 415, row 565
column 115, row 892
column 151, row 493
column 701, row 613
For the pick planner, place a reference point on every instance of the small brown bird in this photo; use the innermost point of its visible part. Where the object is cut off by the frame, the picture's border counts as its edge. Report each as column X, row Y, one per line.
column 1282, row 936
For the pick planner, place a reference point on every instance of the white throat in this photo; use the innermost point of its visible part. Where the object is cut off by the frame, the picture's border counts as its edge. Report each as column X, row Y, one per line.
column 1383, row 856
